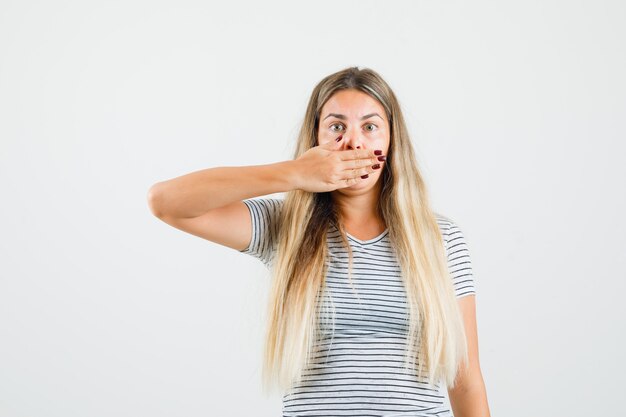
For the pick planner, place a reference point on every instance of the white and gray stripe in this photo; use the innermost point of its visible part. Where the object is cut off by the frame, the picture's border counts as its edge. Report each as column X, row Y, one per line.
column 358, row 368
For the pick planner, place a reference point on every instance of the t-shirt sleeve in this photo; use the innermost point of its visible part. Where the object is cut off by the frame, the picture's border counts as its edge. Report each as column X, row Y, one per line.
column 459, row 262
column 264, row 213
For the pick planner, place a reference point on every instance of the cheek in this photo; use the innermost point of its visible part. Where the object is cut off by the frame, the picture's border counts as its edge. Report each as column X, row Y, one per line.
column 384, row 143
column 382, row 140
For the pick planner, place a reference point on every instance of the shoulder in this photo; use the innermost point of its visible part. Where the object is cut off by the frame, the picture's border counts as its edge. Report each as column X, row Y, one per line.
column 445, row 224
column 450, row 231
column 265, row 215
column 264, row 206
column 264, row 202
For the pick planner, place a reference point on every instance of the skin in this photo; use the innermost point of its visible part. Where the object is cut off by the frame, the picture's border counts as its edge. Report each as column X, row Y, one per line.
column 469, row 396
column 357, row 205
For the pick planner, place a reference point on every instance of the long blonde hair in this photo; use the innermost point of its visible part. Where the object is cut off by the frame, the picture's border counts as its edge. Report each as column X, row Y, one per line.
column 299, row 265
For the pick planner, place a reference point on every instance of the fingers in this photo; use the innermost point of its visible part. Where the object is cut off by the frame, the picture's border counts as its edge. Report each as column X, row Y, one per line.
column 359, row 170
column 333, row 145
column 357, row 154
column 356, row 164
column 353, row 154
column 359, row 163
column 359, row 158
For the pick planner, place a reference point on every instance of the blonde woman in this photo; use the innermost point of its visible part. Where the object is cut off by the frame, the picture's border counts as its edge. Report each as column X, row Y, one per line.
column 372, row 300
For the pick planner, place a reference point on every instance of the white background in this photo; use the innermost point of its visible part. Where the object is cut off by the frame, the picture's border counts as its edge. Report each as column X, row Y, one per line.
column 516, row 110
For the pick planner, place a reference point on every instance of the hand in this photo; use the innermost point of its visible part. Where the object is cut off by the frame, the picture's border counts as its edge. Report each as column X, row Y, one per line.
column 326, row 168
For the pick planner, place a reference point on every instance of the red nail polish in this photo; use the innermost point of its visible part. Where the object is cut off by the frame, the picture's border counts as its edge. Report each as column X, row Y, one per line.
column 339, row 138
column 378, row 152
column 365, row 176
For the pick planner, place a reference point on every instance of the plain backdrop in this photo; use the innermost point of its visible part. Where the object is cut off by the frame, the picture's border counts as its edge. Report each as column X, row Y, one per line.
column 516, row 110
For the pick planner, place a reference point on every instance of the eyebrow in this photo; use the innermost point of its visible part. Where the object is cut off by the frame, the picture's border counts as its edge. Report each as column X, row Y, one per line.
column 343, row 117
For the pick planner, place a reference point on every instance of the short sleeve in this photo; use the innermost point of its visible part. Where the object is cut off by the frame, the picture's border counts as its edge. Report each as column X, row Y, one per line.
column 459, row 262
column 264, row 213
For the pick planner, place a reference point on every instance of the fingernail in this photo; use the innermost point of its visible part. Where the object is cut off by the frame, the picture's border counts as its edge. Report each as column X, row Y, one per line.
column 376, row 166
column 378, row 152
column 339, row 138
column 382, row 158
column 365, row 176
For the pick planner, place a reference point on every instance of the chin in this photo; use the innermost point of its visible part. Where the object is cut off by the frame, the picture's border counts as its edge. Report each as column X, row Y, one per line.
column 365, row 184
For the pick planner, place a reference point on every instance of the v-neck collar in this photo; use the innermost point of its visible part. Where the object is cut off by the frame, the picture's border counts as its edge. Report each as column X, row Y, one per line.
column 368, row 241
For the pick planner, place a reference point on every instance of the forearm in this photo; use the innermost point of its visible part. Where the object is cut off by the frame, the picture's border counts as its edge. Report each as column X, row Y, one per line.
column 470, row 401
column 196, row 193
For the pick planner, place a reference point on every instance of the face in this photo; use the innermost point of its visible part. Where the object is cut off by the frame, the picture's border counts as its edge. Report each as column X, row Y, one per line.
column 361, row 120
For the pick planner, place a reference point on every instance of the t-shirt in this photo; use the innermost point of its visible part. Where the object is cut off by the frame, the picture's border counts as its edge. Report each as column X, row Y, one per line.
column 359, row 370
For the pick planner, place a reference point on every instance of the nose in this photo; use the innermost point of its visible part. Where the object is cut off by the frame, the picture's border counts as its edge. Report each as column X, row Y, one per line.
column 352, row 140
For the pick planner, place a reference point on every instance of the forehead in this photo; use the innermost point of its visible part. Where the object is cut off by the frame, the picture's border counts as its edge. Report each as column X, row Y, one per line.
column 352, row 103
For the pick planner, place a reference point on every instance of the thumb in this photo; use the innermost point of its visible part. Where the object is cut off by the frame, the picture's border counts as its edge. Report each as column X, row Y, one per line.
column 333, row 144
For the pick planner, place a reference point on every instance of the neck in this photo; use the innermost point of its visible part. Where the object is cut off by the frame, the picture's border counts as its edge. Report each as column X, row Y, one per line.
column 358, row 208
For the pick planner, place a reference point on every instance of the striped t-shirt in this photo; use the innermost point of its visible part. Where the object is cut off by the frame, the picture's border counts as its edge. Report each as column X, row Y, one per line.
column 359, row 370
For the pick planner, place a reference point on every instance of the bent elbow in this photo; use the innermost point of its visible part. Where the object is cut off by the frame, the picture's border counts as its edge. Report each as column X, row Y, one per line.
column 154, row 198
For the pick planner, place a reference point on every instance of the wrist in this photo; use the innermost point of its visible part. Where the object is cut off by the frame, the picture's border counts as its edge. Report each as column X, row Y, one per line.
column 289, row 174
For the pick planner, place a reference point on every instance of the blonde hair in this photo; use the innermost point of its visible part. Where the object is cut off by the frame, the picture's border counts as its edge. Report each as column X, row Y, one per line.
column 299, row 266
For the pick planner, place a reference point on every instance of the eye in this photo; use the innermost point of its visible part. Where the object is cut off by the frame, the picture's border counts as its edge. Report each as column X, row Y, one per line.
column 371, row 124
column 335, row 124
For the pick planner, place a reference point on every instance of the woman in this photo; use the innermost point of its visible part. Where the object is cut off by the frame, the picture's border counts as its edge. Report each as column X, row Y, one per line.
column 372, row 301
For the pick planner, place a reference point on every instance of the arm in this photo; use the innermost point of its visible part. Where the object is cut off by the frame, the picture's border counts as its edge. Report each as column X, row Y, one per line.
column 194, row 194
column 208, row 203
column 321, row 168
column 468, row 398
